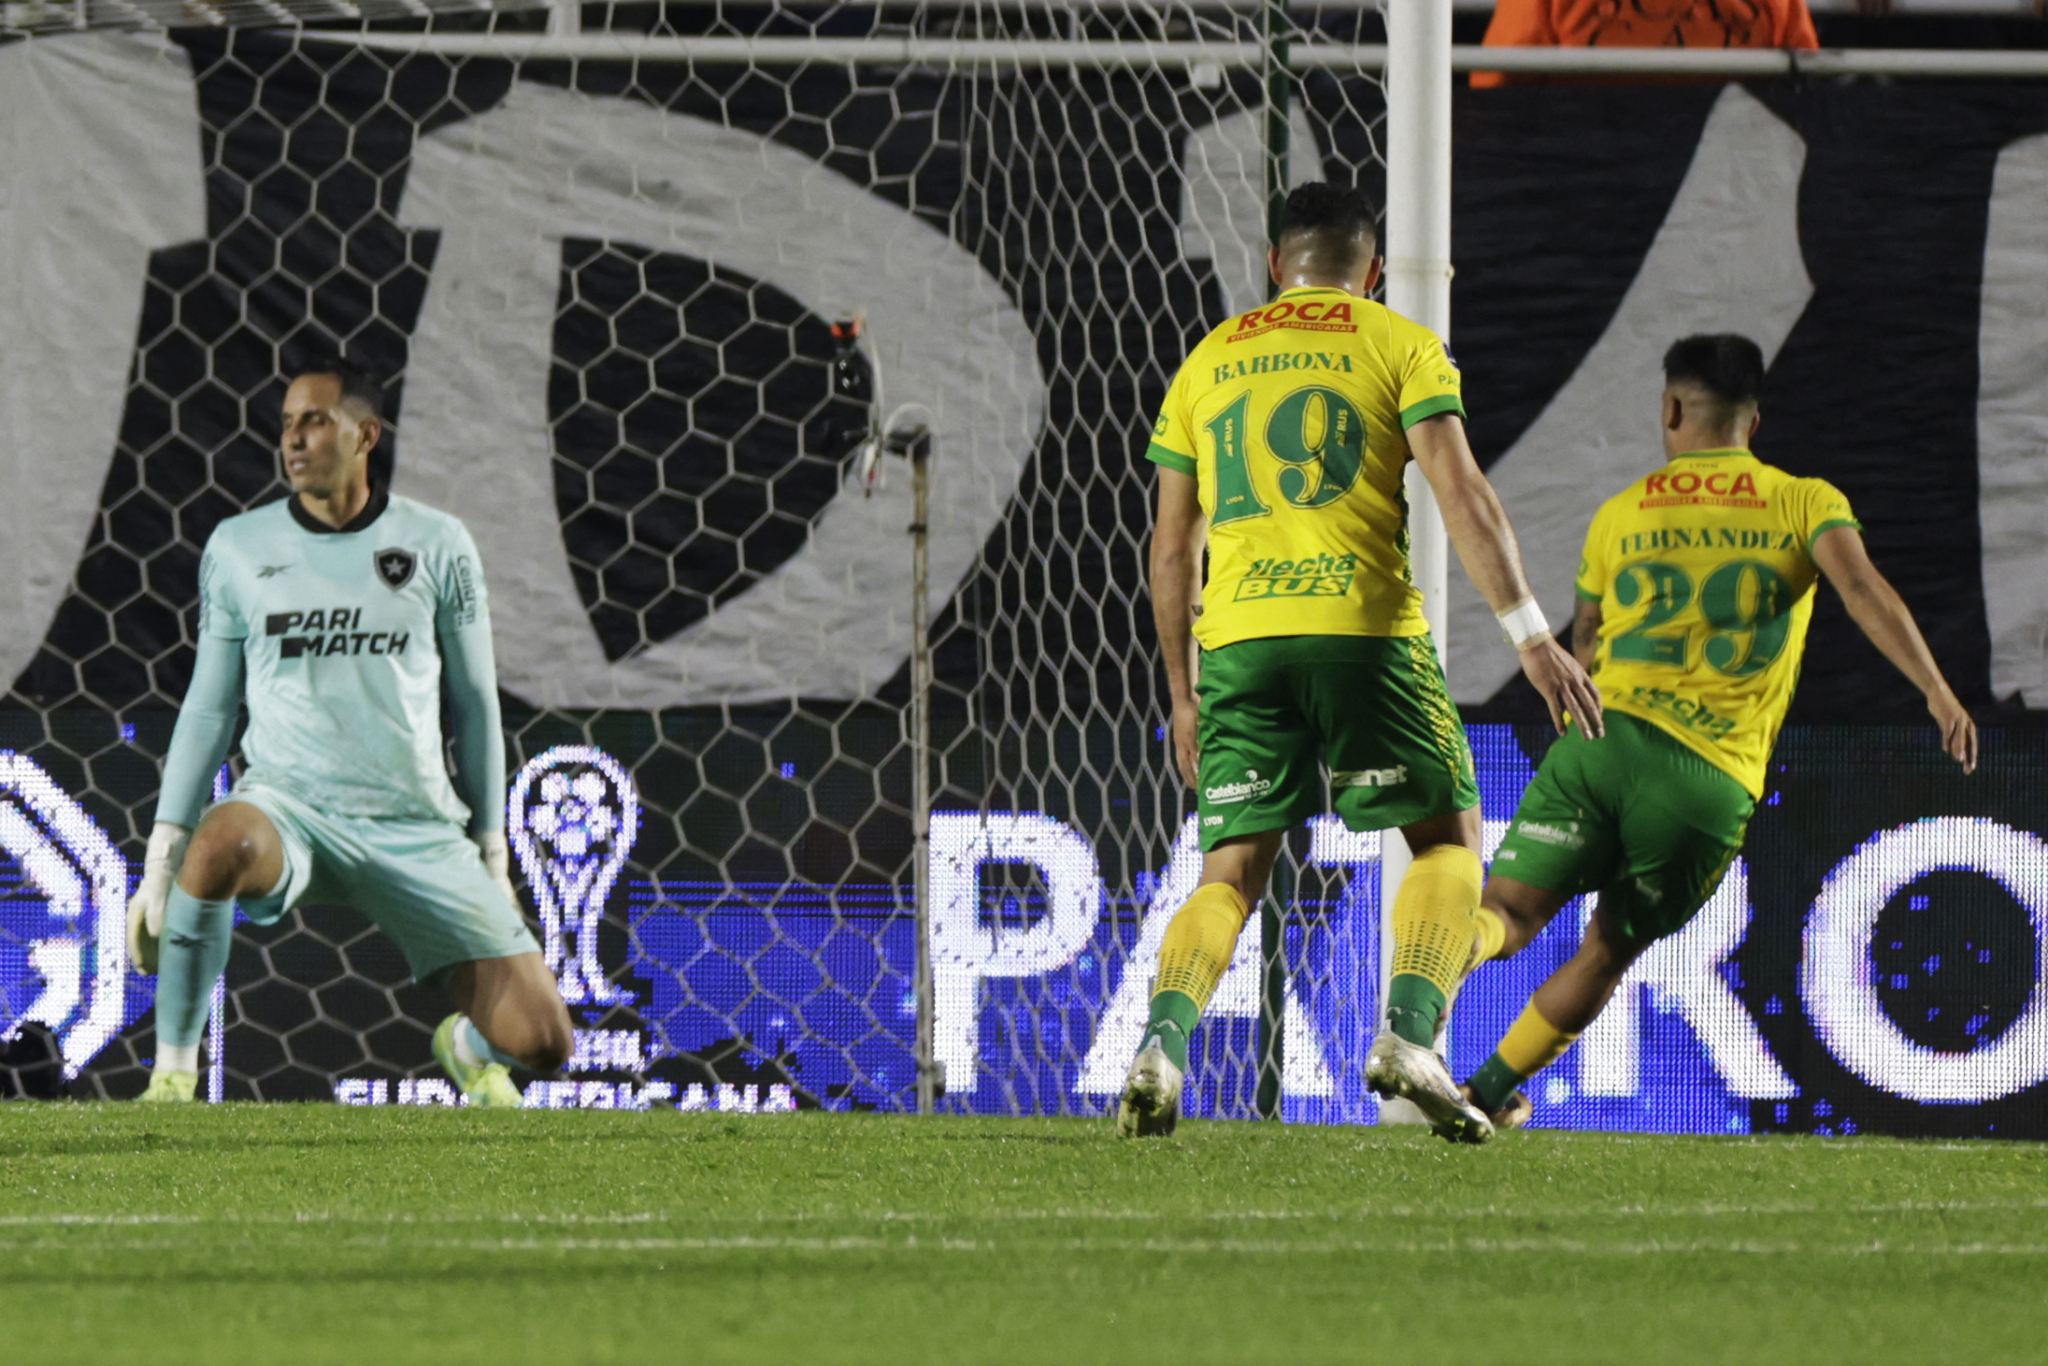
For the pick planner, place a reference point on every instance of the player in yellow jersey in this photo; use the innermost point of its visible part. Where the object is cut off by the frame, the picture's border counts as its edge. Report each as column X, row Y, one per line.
column 1694, row 596
column 1282, row 442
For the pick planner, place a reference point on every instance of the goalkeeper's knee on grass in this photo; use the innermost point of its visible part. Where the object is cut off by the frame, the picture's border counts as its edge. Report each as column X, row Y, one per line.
column 1196, row 953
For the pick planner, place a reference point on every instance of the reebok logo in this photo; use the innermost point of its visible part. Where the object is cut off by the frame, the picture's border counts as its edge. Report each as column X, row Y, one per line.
column 270, row 571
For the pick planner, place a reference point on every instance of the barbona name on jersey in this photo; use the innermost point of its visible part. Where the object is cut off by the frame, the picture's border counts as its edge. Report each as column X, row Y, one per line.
column 1293, row 420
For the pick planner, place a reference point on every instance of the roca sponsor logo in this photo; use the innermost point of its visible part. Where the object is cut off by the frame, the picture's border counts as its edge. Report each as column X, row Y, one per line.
column 1311, row 315
column 1720, row 487
column 1225, row 793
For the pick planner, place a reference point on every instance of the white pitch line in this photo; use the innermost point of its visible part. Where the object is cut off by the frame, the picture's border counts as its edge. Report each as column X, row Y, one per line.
column 1520, row 1215
column 1245, row 1247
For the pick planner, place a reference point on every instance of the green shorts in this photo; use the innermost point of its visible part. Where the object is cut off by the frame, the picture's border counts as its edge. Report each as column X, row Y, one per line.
column 1374, row 708
column 420, row 881
column 1635, row 816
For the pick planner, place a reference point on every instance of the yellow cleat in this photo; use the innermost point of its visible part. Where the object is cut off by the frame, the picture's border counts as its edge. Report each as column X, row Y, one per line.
column 170, row 1088
column 487, row 1085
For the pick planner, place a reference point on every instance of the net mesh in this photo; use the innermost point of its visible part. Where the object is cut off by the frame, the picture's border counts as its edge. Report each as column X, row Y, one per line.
column 608, row 288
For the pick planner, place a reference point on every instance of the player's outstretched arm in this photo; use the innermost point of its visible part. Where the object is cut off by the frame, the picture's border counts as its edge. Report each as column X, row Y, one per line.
column 1478, row 528
column 199, row 743
column 1176, row 574
column 1876, row 607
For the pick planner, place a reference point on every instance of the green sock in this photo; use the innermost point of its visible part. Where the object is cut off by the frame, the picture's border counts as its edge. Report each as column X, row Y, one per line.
column 1493, row 1083
column 1413, row 1005
column 1174, row 1014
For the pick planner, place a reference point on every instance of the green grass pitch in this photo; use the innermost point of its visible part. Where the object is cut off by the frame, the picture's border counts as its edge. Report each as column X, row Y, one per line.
column 315, row 1234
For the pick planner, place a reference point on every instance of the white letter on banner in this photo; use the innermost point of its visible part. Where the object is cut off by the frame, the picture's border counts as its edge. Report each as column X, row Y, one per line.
column 68, row 859
column 101, row 164
column 964, row 950
column 1685, row 972
column 1117, row 1033
column 1839, row 980
column 2012, row 420
column 504, row 188
column 1727, row 259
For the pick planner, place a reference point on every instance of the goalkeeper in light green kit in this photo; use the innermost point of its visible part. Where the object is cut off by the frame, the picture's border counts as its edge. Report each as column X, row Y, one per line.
column 345, row 616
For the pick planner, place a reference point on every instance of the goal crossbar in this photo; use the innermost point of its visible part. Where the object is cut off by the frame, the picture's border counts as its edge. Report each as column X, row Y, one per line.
column 1742, row 63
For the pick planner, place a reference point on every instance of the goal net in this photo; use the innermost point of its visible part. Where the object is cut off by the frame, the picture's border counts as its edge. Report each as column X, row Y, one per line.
column 616, row 278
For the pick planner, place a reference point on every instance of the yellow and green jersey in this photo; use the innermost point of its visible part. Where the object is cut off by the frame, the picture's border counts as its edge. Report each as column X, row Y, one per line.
column 1293, row 419
column 1704, row 574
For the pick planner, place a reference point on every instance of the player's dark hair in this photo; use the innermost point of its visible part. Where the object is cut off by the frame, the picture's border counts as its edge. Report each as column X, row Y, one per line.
column 1338, row 220
column 359, row 385
column 1725, row 364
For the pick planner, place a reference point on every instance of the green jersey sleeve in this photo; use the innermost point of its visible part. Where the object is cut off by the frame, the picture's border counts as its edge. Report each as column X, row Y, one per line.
column 1430, row 382
column 1173, row 436
column 1822, row 507
column 1591, row 581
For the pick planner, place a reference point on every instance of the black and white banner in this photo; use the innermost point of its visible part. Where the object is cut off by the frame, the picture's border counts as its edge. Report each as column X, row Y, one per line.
column 606, row 288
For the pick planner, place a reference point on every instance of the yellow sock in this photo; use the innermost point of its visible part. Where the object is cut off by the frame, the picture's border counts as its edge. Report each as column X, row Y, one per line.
column 1200, row 941
column 1533, row 1043
column 1492, row 933
column 1435, row 916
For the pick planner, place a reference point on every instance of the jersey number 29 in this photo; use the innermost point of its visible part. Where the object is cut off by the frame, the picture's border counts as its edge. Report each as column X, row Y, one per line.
column 1747, row 604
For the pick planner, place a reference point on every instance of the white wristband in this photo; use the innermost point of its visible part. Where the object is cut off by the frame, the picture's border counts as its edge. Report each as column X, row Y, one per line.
column 1523, row 624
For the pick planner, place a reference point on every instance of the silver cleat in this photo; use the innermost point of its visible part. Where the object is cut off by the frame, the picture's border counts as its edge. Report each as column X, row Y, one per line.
column 1397, row 1068
column 1151, row 1104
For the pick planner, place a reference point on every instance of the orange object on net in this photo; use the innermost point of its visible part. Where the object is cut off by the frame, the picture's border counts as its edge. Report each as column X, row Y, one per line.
column 1642, row 23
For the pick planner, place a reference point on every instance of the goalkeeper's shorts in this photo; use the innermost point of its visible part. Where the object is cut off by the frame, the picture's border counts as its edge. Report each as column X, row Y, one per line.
column 422, row 882
column 1636, row 816
column 1373, row 708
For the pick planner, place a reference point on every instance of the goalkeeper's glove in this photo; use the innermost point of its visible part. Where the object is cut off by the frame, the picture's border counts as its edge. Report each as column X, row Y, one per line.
column 498, row 863
column 146, row 908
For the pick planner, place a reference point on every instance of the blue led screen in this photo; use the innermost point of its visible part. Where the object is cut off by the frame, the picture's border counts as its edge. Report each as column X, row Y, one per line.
column 1871, row 964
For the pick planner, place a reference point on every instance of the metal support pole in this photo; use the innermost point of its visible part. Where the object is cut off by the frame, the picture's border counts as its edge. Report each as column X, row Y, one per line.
column 1418, row 273
column 930, row 1081
column 565, row 18
column 1272, row 1060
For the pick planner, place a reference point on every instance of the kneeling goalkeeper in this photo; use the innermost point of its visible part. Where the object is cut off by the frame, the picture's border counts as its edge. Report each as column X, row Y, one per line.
column 348, row 618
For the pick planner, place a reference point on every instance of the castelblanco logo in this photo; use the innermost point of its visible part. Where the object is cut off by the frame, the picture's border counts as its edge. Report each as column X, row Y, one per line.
column 395, row 567
column 1251, row 787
